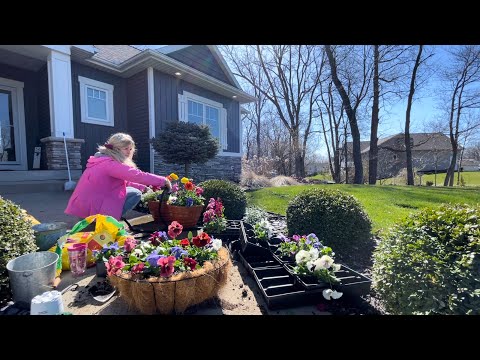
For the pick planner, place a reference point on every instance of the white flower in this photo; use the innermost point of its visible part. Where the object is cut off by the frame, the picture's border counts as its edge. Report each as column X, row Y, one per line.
column 302, row 256
column 137, row 252
column 313, row 253
column 172, row 199
column 216, row 244
column 331, row 294
column 336, row 267
column 323, row 263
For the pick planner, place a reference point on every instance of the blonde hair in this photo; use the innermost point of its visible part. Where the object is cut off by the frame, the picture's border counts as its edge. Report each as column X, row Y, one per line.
column 117, row 142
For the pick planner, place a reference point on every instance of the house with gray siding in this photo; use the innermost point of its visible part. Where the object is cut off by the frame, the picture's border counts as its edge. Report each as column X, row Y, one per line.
column 430, row 152
column 89, row 92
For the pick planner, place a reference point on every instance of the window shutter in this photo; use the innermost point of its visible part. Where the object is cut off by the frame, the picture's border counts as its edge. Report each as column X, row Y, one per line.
column 182, row 108
column 223, row 126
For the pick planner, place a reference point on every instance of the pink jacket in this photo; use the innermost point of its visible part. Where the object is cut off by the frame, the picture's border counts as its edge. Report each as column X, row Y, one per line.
column 103, row 185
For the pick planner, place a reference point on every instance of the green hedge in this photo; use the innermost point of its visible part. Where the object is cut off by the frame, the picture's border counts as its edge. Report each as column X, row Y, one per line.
column 233, row 197
column 16, row 238
column 430, row 263
column 337, row 218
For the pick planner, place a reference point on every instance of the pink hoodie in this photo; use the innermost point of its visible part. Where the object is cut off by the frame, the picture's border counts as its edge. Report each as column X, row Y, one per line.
column 103, row 185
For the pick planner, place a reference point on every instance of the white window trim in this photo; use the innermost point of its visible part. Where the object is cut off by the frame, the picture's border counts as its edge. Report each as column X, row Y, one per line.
column 108, row 88
column 205, row 101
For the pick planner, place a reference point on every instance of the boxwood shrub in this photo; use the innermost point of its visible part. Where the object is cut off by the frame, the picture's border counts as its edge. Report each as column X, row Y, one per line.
column 233, row 197
column 430, row 263
column 337, row 218
column 16, row 238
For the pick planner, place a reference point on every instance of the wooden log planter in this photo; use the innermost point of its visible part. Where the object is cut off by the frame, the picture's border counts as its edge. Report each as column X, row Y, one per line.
column 178, row 292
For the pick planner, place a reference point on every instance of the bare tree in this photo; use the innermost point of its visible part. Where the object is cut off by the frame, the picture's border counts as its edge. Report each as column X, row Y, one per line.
column 353, row 88
column 415, row 83
column 335, row 117
column 463, row 78
column 291, row 73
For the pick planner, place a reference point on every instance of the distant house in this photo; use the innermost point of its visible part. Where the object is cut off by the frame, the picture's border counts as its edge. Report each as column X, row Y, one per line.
column 470, row 165
column 430, row 152
column 89, row 92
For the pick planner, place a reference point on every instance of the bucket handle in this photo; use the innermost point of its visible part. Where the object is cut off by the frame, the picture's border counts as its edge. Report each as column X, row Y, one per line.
column 27, row 273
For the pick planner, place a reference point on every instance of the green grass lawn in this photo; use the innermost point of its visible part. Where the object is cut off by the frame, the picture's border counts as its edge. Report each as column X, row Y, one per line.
column 472, row 178
column 321, row 176
column 385, row 205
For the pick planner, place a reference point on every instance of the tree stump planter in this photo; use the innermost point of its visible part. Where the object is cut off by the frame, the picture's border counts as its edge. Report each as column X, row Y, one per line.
column 174, row 294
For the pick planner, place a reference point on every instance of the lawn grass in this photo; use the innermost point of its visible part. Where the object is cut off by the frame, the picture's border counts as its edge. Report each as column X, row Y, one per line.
column 471, row 178
column 385, row 205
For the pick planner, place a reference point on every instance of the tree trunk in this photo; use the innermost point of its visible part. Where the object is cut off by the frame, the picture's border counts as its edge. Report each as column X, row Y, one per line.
column 408, row 148
column 299, row 165
column 451, row 169
column 373, row 152
column 352, row 119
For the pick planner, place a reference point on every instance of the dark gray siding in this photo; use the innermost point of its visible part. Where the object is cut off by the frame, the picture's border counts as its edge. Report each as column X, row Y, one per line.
column 95, row 135
column 201, row 58
column 137, row 111
column 168, row 87
column 43, row 104
column 30, row 94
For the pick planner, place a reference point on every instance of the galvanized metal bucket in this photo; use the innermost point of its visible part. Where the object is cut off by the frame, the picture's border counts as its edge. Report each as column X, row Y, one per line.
column 31, row 275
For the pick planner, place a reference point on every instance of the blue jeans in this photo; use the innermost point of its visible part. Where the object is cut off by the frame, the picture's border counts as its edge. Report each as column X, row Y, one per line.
column 131, row 200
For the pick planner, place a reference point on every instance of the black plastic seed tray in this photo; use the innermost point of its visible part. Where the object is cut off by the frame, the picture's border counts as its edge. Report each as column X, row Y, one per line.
column 280, row 289
column 352, row 283
column 249, row 243
column 252, row 262
column 232, row 232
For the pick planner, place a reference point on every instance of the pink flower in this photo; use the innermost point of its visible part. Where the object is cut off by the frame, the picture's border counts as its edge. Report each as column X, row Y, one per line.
column 130, row 243
column 138, row 268
column 114, row 265
column 175, row 229
column 175, row 187
column 199, row 190
column 166, row 265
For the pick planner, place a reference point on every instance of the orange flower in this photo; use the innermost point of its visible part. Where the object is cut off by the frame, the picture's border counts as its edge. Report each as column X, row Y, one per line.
column 189, row 186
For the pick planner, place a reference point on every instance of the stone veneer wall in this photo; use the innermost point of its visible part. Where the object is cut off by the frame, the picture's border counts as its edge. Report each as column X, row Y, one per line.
column 53, row 153
column 220, row 167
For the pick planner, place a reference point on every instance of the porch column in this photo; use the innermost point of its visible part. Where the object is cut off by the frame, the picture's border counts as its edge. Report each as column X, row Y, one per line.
column 60, row 93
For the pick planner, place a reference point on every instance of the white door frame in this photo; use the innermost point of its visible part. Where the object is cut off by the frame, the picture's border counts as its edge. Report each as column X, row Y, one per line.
column 18, row 113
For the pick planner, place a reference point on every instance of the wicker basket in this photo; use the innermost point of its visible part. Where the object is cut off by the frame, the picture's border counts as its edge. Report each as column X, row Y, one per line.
column 186, row 215
column 175, row 294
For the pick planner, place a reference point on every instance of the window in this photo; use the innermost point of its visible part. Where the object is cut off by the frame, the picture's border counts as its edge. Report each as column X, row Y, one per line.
column 96, row 102
column 203, row 111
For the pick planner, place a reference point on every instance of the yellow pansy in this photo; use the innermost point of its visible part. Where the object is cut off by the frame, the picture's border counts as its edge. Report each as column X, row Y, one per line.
column 185, row 180
column 174, row 176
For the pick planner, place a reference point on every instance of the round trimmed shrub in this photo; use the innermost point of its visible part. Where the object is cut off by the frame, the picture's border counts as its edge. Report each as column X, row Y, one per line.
column 430, row 263
column 16, row 238
column 233, row 197
column 337, row 218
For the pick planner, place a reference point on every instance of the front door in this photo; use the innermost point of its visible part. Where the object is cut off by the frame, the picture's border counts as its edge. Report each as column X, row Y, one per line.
column 12, row 126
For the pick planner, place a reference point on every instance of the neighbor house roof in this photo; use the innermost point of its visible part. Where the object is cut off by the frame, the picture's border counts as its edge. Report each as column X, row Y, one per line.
column 421, row 141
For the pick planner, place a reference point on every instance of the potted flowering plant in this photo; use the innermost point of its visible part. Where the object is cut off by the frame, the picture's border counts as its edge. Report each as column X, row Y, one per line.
column 101, row 257
column 184, row 203
column 214, row 220
column 313, row 262
column 167, row 273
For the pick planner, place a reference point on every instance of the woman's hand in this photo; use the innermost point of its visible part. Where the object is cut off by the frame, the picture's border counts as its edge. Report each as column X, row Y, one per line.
column 168, row 185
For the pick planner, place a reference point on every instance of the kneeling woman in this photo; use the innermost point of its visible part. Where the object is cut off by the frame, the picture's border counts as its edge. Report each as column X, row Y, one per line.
column 111, row 183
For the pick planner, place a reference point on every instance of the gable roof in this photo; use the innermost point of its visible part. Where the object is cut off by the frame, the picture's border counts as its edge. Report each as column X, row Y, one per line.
column 421, row 142
column 115, row 54
column 127, row 60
